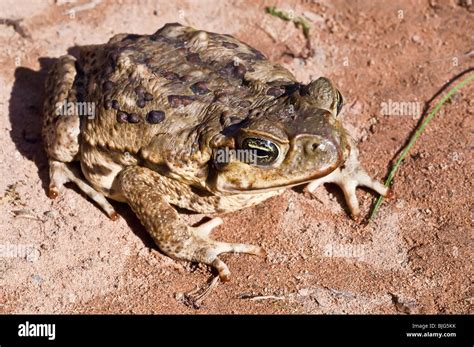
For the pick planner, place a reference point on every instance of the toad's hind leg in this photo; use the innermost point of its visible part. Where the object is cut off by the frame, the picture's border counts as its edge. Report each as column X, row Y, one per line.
column 60, row 129
column 144, row 191
column 60, row 173
column 61, row 132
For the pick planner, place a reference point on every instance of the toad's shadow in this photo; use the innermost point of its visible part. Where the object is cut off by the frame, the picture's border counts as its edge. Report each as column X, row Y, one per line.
column 26, row 119
column 26, row 116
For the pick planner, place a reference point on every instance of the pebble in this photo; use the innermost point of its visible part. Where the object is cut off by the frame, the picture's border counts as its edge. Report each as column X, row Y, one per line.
column 416, row 39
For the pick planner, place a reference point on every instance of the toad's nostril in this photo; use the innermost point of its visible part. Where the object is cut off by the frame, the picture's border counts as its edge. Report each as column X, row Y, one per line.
column 315, row 146
column 312, row 147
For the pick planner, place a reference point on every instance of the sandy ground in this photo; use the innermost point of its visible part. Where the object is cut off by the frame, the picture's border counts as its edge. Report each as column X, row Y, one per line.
column 65, row 256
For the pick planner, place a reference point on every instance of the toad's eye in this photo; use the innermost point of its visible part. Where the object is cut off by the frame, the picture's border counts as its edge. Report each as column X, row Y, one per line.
column 264, row 152
column 340, row 102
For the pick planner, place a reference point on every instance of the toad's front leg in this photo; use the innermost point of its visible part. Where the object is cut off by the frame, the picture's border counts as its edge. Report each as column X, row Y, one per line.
column 350, row 175
column 145, row 192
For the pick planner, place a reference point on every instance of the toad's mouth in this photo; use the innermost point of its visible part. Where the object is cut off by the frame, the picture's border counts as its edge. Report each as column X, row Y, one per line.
column 308, row 159
column 245, row 185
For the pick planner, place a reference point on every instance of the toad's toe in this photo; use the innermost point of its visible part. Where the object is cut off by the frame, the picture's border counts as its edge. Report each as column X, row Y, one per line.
column 349, row 177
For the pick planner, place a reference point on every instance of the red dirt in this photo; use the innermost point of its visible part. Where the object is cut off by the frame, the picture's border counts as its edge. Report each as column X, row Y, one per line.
column 416, row 257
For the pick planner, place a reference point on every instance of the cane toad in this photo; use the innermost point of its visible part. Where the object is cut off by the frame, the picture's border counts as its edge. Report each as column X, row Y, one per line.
column 164, row 106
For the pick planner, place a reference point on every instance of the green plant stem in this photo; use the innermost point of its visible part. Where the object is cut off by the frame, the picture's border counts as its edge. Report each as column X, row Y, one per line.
column 298, row 22
column 415, row 136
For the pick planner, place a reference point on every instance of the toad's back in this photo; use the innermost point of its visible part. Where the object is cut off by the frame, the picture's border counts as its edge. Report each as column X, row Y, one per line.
column 164, row 105
column 171, row 82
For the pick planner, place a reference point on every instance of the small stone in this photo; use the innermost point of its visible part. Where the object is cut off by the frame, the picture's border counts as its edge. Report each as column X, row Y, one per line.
column 416, row 39
column 36, row 279
column 313, row 17
column 51, row 214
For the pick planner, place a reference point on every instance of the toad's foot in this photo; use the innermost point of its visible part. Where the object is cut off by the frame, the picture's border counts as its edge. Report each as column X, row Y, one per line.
column 348, row 177
column 61, row 173
column 145, row 191
column 206, row 250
